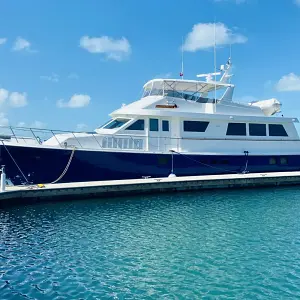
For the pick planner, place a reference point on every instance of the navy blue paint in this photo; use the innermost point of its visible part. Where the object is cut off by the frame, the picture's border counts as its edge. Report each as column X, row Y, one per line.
column 41, row 165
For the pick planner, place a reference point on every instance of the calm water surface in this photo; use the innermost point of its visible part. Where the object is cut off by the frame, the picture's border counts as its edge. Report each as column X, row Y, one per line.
column 241, row 244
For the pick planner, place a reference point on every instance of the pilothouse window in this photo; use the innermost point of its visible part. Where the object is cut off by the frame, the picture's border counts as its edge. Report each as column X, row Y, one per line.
column 137, row 125
column 277, row 130
column 195, row 126
column 165, row 125
column 236, row 129
column 257, row 129
column 153, row 124
column 115, row 123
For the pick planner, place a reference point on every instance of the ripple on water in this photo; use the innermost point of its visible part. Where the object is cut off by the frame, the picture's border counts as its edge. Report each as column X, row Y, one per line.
column 228, row 244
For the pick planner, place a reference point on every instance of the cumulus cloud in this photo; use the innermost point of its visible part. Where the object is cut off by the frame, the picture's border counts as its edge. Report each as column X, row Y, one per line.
column 21, row 45
column 35, row 124
column 115, row 49
column 3, row 120
column 288, row 83
column 3, row 41
column 73, row 76
column 21, row 124
column 246, row 99
column 163, row 75
column 17, row 99
column 3, row 95
column 235, row 1
column 202, row 37
column 76, row 101
column 81, row 126
column 53, row 77
column 14, row 99
column 38, row 124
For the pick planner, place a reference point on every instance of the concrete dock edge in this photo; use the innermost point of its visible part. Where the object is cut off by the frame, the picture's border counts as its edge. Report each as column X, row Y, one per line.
column 83, row 190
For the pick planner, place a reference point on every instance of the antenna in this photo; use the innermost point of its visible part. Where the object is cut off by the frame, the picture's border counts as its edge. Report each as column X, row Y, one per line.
column 215, row 66
column 181, row 73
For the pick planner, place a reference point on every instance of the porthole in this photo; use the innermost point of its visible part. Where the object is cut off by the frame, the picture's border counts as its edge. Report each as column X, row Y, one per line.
column 272, row 161
column 163, row 160
column 224, row 162
column 283, row 160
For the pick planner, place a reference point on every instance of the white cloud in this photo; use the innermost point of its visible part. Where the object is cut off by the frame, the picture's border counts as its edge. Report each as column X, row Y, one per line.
column 3, row 95
column 3, row 120
column 202, row 36
column 17, row 99
column 3, row 41
column 73, row 76
column 38, row 124
column 21, row 124
column 35, row 124
column 246, row 99
column 297, row 2
column 288, row 83
column 53, row 77
column 21, row 44
column 116, row 49
column 81, row 126
column 236, row 1
column 76, row 101
column 163, row 75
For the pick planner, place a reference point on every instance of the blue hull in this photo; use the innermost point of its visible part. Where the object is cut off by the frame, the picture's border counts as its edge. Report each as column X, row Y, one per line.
column 42, row 165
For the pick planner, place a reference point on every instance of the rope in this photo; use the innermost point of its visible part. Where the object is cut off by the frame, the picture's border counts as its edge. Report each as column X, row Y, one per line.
column 15, row 163
column 66, row 168
column 246, row 166
column 222, row 169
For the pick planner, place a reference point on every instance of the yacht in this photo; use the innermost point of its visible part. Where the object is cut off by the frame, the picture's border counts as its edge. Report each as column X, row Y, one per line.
column 178, row 127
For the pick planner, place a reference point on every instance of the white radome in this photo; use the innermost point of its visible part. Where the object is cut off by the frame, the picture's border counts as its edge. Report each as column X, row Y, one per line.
column 269, row 107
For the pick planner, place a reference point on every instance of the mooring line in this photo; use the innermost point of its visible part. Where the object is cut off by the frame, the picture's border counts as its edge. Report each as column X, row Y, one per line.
column 15, row 162
column 66, row 168
column 207, row 165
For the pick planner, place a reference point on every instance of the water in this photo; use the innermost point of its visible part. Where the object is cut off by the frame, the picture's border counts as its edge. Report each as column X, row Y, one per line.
column 242, row 244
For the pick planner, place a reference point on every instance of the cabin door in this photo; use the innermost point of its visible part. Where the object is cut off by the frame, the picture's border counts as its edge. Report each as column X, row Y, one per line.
column 159, row 135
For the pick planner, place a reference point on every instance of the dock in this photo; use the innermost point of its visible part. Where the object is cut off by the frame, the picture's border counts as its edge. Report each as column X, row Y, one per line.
column 97, row 189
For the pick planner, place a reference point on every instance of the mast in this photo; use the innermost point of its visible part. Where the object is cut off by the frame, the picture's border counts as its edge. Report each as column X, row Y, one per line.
column 181, row 73
column 215, row 67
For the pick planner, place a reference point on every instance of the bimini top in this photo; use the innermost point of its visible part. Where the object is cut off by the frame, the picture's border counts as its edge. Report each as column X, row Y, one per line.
column 193, row 86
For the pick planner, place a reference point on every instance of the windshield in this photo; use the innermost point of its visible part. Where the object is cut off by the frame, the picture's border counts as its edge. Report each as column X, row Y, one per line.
column 116, row 123
column 104, row 124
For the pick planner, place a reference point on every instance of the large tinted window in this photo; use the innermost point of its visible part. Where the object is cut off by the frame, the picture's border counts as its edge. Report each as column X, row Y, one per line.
column 277, row 130
column 236, row 129
column 137, row 125
column 165, row 125
column 257, row 129
column 195, row 126
column 116, row 123
column 153, row 124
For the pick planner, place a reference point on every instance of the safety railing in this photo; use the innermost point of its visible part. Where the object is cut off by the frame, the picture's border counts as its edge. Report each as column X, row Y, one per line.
column 29, row 136
column 85, row 140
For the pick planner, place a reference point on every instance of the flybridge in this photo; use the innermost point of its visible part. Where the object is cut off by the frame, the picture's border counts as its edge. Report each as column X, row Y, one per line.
column 192, row 89
column 184, row 85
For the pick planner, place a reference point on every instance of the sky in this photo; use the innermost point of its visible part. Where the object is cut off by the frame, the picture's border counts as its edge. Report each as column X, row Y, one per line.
column 68, row 64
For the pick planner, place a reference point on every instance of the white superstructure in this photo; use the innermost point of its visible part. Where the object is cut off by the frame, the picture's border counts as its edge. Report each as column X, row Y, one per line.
column 183, row 115
column 186, row 116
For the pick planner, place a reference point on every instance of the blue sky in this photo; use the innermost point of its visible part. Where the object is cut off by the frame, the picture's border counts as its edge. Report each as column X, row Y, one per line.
column 68, row 64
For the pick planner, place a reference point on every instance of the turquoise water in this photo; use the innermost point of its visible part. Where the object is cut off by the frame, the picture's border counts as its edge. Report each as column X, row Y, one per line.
column 242, row 244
